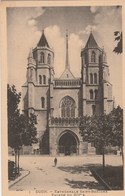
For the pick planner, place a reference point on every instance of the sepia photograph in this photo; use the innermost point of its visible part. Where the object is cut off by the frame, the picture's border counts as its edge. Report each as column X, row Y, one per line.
column 64, row 99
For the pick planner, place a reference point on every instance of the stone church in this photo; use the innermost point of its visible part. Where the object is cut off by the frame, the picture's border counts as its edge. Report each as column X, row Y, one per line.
column 59, row 103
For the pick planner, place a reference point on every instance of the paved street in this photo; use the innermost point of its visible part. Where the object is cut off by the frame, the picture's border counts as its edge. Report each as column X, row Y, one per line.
column 70, row 172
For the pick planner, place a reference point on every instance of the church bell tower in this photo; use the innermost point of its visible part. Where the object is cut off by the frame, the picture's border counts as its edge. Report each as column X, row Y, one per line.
column 96, row 98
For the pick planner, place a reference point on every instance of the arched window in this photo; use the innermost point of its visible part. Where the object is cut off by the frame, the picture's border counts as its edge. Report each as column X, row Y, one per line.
column 68, row 112
column 67, row 107
column 49, row 59
column 91, row 94
column 93, row 57
column 93, row 109
column 100, row 59
column 42, row 102
column 86, row 58
column 96, row 93
column 42, row 57
column 40, row 79
column 95, row 78
column 72, row 112
column 91, row 78
column 44, row 79
column 63, row 111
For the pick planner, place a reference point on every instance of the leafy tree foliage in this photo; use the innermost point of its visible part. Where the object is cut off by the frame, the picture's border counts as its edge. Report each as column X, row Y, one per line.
column 118, row 38
column 97, row 129
column 116, row 118
column 27, row 129
column 13, row 115
column 21, row 128
column 104, row 130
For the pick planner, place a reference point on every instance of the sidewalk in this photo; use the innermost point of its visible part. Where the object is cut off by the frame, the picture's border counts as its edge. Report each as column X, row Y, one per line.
column 23, row 174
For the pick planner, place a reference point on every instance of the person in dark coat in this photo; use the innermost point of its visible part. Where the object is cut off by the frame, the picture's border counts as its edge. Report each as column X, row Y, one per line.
column 55, row 161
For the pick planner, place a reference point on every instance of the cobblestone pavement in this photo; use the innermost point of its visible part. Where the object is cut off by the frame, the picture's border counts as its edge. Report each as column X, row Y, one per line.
column 70, row 172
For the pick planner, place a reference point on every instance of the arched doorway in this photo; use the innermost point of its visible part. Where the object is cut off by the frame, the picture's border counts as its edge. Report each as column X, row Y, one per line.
column 68, row 144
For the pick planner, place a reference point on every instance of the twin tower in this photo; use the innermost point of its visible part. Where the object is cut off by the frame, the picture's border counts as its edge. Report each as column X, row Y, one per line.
column 59, row 103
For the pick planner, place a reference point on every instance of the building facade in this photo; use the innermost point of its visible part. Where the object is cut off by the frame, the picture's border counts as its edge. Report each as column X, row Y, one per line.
column 59, row 103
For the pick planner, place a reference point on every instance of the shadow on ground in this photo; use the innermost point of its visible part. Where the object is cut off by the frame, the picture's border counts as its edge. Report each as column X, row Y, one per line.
column 113, row 176
column 78, row 169
column 83, row 184
column 85, row 170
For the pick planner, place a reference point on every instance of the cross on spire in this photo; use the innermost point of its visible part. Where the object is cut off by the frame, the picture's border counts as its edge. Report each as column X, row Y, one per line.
column 91, row 42
column 43, row 41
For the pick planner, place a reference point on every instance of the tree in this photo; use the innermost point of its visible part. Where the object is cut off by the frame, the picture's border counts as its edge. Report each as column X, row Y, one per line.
column 27, row 129
column 97, row 129
column 85, row 128
column 21, row 128
column 116, row 118
column 118, row 38
column 13, row 117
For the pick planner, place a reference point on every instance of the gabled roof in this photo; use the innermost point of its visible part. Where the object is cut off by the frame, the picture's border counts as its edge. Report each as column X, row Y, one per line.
column 43, row 41
column 67, row 74
column 91, row 43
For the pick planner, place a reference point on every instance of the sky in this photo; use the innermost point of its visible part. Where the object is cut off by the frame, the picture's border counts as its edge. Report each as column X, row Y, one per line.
column 24, row 29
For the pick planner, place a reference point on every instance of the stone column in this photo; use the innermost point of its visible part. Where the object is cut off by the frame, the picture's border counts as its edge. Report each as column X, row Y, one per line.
column 54, row 150
column 52, row 142
column 81, row 148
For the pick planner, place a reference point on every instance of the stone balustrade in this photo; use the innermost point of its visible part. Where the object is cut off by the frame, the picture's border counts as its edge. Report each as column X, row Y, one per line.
column 71, row 83
column 64, row 121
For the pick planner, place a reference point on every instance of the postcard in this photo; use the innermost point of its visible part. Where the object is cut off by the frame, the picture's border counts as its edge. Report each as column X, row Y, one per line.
column 62, row 98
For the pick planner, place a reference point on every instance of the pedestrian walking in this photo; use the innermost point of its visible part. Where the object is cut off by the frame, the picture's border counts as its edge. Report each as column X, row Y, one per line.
column 55, row 161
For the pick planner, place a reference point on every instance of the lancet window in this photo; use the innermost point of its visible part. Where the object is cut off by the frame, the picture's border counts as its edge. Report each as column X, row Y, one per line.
column 93, row 57
column 67, row 107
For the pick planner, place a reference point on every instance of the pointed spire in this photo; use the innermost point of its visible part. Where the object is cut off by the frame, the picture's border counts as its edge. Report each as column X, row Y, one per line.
column 103, row 50
column 31, row 53
column 43, row 41
column 91, row 30
column 91, row 43
column 104, row 55
column 31, row 61
column 67, row 52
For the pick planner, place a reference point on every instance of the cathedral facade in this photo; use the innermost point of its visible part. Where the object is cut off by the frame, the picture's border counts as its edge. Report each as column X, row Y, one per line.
column 59, row 103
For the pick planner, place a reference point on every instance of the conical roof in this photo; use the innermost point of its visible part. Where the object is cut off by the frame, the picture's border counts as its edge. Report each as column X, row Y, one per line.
column 43, row 41
column 91, row 43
